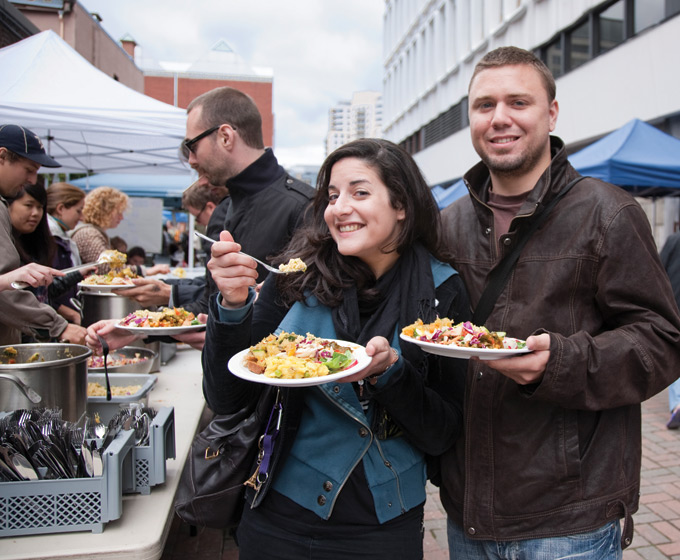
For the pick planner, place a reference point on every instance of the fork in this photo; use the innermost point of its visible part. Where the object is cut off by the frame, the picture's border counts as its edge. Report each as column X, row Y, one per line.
column 268, row 267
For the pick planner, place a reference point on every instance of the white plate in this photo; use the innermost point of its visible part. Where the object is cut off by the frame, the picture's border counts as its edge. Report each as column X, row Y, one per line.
column 359, row 352
column 104, row 287
column 160, row 331
column 452, row 351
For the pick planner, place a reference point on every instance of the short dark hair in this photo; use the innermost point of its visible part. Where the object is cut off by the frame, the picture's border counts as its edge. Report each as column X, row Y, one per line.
column 509, row 56
column 197, row 196
column 226, row 105
column 136, row 251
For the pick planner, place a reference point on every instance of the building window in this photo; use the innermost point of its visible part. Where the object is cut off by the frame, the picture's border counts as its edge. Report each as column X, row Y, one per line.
column 649, row 12
column 553, row 57
column 611, row 25
column 578, row 45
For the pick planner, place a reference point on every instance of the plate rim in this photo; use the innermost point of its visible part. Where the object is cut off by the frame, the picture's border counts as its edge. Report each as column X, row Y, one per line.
column 247, row 375
column 462, row 351
column 105, row 287
column 160, row 330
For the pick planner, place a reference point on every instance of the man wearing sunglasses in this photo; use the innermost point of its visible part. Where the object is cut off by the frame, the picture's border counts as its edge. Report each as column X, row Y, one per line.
column 224, row 144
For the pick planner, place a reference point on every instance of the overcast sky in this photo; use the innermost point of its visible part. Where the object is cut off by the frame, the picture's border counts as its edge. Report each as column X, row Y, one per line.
column 320, row 51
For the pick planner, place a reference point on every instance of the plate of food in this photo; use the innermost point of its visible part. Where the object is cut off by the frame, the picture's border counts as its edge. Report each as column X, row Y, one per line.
column 124, row 360
column 462, row 340
column 169, row 320
column 119, row 277
column 291, row 360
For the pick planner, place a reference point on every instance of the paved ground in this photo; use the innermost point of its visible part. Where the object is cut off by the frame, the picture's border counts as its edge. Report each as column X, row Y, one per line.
column 657, row 523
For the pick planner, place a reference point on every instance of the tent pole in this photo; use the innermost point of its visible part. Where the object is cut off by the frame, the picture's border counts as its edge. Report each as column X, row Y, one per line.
column 190, row 256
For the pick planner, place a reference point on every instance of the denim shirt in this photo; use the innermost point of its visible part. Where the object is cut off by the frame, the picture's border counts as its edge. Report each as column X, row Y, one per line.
column 335, row 433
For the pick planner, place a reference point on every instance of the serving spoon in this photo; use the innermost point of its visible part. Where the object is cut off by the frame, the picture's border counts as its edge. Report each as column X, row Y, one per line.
column 105, row 257
column 105, row 354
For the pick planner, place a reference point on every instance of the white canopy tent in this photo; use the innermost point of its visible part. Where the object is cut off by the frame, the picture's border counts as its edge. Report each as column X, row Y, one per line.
column 89, row 122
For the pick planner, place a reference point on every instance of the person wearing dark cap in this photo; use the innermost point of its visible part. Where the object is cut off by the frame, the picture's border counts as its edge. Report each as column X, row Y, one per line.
column 21, row 156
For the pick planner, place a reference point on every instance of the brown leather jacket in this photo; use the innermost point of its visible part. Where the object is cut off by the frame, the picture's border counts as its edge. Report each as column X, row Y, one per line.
column 562, row 456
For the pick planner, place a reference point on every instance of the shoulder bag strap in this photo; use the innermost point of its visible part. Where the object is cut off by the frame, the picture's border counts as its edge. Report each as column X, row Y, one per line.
column 499, row 275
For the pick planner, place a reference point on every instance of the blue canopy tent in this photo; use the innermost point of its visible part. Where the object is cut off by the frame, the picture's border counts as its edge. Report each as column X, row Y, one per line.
column 637, row 157
column 167, row 187
column 448, row 195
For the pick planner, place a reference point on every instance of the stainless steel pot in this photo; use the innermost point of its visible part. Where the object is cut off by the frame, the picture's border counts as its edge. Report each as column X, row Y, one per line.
column 56, row 372
column 95, row 306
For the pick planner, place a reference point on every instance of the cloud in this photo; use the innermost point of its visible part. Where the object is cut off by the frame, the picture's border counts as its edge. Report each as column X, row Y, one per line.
column 320, row 51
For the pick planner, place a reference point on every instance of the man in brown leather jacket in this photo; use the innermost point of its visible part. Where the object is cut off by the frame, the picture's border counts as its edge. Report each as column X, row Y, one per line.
column 552, row 442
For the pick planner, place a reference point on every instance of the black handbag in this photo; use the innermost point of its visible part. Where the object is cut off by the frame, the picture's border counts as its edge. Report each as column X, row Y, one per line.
column 222, row 458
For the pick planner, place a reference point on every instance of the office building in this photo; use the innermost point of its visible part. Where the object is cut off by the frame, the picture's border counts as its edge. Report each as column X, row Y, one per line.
column 614, row 61
column 361, row 117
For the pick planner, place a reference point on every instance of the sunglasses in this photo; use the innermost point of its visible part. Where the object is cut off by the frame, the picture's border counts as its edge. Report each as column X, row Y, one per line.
column 189, row 146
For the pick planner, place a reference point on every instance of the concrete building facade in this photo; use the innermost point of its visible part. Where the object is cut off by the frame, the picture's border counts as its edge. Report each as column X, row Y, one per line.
column 613, row 60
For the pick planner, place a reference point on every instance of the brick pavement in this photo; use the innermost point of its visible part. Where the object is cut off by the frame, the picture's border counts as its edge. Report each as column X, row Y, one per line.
column 657, row 523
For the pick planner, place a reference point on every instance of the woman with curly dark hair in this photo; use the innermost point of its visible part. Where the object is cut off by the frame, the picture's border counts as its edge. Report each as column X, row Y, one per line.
column 348, row 467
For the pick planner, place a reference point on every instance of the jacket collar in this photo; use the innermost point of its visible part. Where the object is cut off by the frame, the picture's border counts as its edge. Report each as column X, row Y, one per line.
column 257, row 176
column 558, row 173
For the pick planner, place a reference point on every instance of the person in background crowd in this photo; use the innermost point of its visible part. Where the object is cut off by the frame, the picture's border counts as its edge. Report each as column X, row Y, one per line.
column 225, row 146
column 136, row 257
column 372, row 250
column 119, row 244
column 21, row 156
column 64, row 209
column 550, row 458
column 35, row 243
column 670, row 258
column 103, row 209
column 209, row 206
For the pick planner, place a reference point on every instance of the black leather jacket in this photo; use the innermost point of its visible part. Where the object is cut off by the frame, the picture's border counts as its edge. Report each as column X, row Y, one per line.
column 562, row 456
column 265, row 207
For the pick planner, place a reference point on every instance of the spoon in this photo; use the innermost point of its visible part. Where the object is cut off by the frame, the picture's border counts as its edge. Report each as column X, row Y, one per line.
column 105, row 257
column 105, row 353
column 268, row 267
column 30, row 394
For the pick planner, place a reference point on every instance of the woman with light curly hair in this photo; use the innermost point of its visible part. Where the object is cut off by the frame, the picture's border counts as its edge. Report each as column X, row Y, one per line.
column 104, row 207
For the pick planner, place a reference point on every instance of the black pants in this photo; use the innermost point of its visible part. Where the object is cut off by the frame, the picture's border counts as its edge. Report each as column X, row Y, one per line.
column 264, row 536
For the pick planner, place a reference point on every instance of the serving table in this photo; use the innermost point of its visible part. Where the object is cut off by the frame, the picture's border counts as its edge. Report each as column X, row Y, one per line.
column 143, row 528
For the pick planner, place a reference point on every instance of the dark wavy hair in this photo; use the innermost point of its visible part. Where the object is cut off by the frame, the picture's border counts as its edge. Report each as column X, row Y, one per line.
column 38, row 246
column 328, row 272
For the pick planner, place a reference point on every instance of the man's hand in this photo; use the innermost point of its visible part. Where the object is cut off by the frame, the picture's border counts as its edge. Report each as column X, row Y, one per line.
column 157, row 269
column 70, row 314
column 526, row 368
column 74, row 334
column 148, row 292
column 33, row 274
column 195, row 339
column 116, row 338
